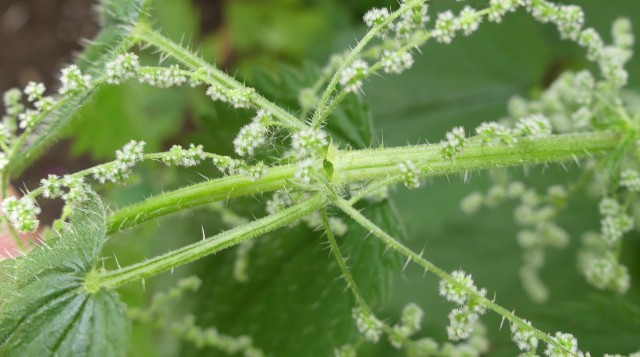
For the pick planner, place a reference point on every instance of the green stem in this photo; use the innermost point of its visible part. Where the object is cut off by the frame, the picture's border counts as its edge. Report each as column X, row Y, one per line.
column 375, row 164
column 190, row 253
column 198, row 194
column 346, row 274
column 322, row 108
column 144, row 32
column 395, row 245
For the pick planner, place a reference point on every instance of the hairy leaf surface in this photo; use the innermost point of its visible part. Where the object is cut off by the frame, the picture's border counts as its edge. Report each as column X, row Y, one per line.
column 46, row 309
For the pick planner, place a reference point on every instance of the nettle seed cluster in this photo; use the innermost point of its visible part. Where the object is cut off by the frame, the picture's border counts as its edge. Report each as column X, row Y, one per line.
column 575, row 102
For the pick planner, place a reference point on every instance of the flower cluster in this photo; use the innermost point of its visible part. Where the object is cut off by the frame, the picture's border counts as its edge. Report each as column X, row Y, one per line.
column 535, row 212
column 230, row 166
column 410, row 174
column 351, row 77
column 33, row 90
column 51, row 186
column 615, row 222
column 345, row 351
column 125, row 66
column 492, row 133
column 454, row 143
column 278, row 202
column 22, row 213
column 12, row 100
column 408, row 22
column 377, row 17
column 252, row 135
column 396, row 62
column 27, row 118
column 524, row 337
column 179, row 156
column 73, row 81
column 630, row 179
column 446, row 27
column 304, row 170
column 186, row 328
column 236, row 97
column 120, row 169
column 605, row 272
column 598, row 259
column 535, row 127
column 610, row 59
column 309, row 142
column 469, row 20
column 569, row 19
column 566, row 345
column 463, row 318
column 410, row 322
column 241, row 262
column 368, row 325
column 499, row 8
column 76, row 189
column 172, row 76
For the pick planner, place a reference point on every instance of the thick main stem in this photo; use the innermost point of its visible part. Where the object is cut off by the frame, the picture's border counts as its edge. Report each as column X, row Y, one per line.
column 375, row 164
column 190, row 253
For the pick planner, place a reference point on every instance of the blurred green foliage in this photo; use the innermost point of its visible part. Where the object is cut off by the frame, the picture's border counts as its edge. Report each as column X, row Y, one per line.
column 464, row 83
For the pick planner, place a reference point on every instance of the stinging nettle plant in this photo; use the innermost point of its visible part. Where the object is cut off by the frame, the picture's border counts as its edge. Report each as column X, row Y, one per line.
column 57, row 297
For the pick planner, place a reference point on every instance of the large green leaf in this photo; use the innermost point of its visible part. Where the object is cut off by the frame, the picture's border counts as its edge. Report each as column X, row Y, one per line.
column 46, row 309
column 117, row 115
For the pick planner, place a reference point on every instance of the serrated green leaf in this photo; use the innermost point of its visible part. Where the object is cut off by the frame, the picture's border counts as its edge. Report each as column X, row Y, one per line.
column 46, row 309
column 118, row 114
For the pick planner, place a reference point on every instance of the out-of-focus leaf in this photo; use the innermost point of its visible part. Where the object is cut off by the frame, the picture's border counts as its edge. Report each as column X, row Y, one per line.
column 283, row 28
column 600, row 322
column 113, row 39
column 121, row 12
column 46, row 310
column 120, row 114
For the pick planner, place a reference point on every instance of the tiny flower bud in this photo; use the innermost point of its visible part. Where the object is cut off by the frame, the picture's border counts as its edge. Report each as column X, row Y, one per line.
column 352, row 76
column 446, row 27
column 123, row 67
column 410, row 174
column 454, row 142
column 368, row 325
column 73, row 81
column 33, row 91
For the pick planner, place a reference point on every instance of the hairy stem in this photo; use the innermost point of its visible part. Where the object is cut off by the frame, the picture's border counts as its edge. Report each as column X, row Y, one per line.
column 197, row 195
column 346, row 274
column 323, row 106
column 190, row 253
column 145, row 33
column 395, row 245
column 375, row 165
